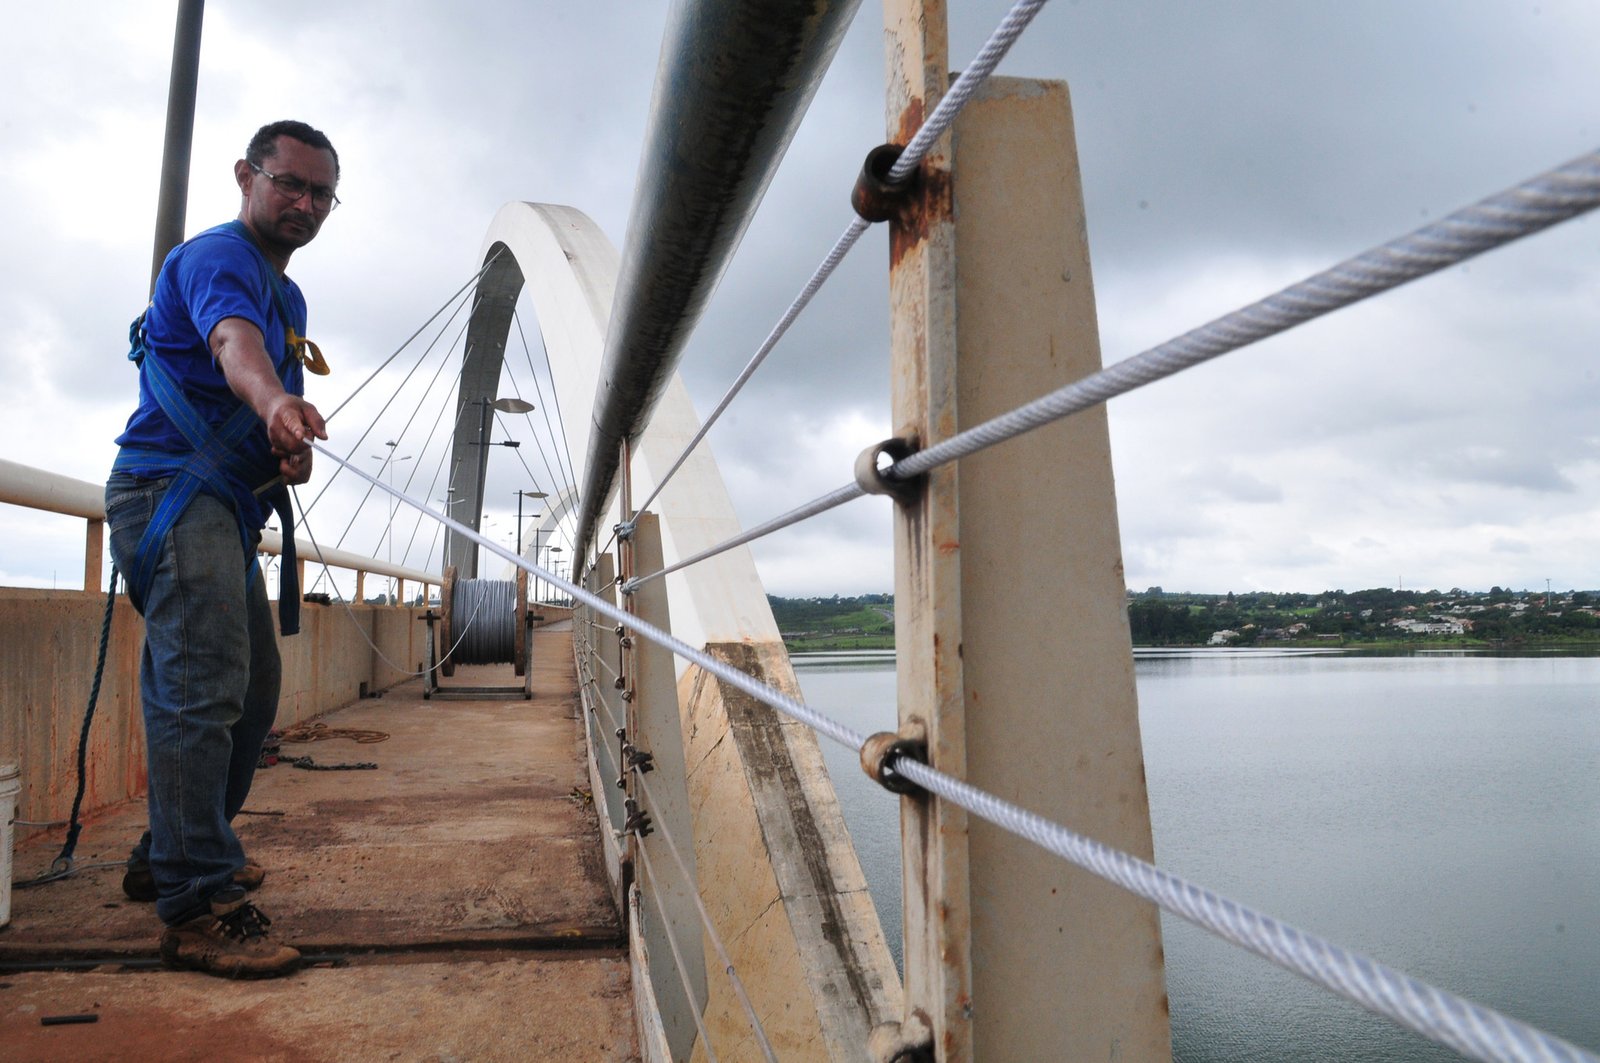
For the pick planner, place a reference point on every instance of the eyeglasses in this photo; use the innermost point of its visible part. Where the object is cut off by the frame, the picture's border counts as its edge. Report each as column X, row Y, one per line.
column 292, row 189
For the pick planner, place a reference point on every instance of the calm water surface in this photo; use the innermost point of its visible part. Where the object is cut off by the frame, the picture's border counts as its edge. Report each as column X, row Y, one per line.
column 1440, row 812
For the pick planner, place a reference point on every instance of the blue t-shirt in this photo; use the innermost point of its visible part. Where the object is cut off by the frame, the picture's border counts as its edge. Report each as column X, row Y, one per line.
column 215, row 275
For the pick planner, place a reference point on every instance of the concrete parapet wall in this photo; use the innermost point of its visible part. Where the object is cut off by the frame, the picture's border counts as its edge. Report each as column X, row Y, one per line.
column 48, row 644
column 778, row 873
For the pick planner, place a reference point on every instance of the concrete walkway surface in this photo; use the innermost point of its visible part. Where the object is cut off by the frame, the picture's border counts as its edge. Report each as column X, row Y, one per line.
column 451, row 903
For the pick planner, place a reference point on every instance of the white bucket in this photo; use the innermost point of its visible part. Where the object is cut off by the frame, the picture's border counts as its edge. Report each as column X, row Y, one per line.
column 10, row 785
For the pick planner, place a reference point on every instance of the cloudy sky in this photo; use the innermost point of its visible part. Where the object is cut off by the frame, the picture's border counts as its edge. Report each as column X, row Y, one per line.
column 1441, row 435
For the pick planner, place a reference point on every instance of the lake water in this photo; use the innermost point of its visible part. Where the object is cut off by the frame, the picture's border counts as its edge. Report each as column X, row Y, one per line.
column 1440, row 812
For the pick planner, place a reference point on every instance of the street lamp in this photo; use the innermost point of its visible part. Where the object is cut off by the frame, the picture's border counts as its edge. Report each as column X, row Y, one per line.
column 389, row 462
column 554, row 550
column 520, row 496
column 504, row 406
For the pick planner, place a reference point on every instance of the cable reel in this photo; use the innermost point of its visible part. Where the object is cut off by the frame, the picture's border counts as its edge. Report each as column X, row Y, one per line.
column 481, row 621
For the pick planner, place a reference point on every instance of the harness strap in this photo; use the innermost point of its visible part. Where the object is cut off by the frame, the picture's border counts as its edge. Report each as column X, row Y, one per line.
column 213, row 465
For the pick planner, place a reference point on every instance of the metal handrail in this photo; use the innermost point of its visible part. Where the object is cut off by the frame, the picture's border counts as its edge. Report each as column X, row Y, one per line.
column 24, row 485
column 736, row 77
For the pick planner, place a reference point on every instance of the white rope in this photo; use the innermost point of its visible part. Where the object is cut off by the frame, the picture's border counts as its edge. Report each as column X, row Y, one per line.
column 962, row 89
column 1552, row 197
column 1477, row 1032
column 1534, row 205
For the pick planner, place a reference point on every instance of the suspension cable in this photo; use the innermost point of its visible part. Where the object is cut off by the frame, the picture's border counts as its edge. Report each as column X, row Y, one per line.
column 944, row 114
column 830, row 262
column 1477, row 1032
column 474, row 279
column 1552, row 197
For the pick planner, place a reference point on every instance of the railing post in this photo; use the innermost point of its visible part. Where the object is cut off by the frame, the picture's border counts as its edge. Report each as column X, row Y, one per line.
column 94, row 546
column 1024, row 686
column 937, row 939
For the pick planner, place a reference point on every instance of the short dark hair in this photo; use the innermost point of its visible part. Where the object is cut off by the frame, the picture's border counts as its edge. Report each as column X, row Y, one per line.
column 264, row 145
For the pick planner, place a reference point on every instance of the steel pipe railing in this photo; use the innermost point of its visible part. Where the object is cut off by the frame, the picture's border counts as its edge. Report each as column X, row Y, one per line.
column 735, row 78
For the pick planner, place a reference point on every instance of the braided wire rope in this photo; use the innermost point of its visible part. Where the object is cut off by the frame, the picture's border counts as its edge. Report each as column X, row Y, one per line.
column 965, row 85
column 1538, row 203
column 830, row 262
column 1555, row 196
column 1477, row 1032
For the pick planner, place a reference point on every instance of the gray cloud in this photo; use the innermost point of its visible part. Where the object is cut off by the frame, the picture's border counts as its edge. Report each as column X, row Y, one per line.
column 1226, row 151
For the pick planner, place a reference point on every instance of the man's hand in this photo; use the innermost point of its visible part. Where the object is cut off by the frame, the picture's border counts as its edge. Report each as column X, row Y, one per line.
column 292, row 423
column 296, row 468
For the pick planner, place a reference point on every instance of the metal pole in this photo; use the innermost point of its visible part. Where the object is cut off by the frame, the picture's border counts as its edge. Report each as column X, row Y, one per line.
column 172, row 201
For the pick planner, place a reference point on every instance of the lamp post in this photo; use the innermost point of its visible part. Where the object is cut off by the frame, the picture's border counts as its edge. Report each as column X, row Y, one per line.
column 554, row 550
column 504, row 406
column 520, row 496
column 389, row 462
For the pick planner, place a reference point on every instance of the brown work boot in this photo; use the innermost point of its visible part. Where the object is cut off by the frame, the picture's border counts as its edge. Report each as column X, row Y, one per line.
column 230, row 940
column 140, row 885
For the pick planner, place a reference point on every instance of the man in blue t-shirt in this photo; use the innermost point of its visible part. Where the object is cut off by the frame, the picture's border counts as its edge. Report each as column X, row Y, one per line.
column 221, row 429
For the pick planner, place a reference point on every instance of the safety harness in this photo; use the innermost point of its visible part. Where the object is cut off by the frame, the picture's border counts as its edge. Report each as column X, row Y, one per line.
column 214, row 465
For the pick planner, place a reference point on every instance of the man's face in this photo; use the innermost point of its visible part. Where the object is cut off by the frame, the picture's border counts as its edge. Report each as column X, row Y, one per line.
column 280, row 220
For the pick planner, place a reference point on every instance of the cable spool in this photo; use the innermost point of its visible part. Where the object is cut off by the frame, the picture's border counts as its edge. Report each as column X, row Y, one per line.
column 484, row 621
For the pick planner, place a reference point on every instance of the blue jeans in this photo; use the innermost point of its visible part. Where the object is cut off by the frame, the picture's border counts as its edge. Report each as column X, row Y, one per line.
column 209, row 679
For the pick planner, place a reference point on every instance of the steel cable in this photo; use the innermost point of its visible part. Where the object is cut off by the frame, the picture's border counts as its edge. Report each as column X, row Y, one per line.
column 1530, row 207
column 1555, row 196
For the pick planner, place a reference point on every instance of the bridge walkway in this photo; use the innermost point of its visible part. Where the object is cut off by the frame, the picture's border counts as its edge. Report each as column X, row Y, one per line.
column 451, row 902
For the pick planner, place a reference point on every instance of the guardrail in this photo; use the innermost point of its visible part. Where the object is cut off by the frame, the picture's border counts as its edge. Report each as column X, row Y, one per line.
column 24, row 485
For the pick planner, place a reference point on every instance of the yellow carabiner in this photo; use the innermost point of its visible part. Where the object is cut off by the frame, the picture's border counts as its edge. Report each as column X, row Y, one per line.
column 308, row 352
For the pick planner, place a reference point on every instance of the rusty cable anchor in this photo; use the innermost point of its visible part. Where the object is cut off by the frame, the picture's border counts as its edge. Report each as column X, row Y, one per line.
column 874, row 196
column 873, row 478
column 880, row 752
